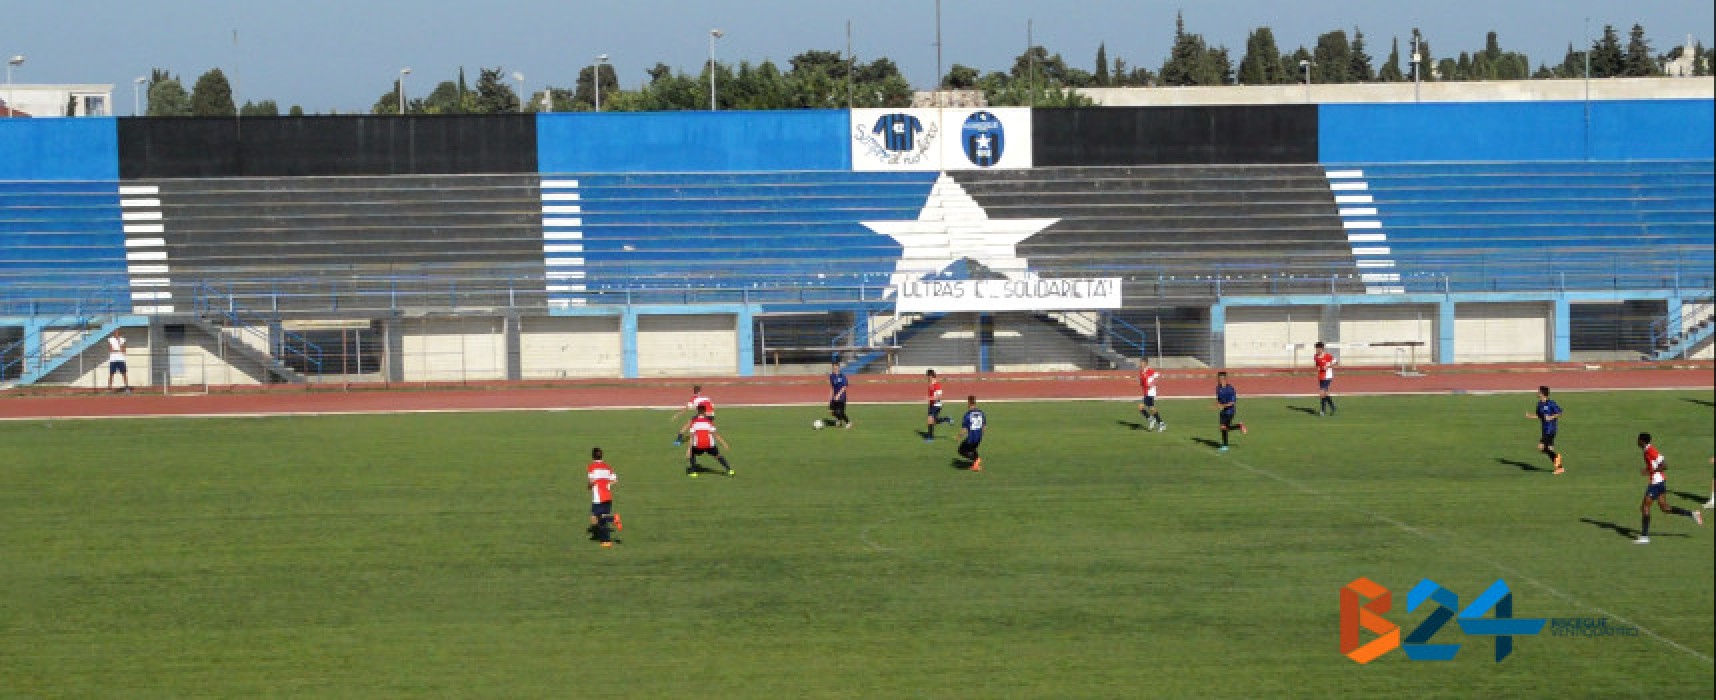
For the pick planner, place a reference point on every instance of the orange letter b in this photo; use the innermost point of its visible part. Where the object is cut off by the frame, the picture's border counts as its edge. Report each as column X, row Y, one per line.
column 1369, row 616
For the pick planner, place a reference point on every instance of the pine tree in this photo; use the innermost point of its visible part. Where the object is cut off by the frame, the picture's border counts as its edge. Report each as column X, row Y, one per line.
column 212, row 96
column 1333, row 58
column 1638, row 61
column 1261, row 64
column 1102, row 65
column 1390, row 72
column 1607, row 61
column 1359, row 67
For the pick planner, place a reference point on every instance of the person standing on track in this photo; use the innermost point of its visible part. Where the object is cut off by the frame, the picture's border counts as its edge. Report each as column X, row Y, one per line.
column 116, row 362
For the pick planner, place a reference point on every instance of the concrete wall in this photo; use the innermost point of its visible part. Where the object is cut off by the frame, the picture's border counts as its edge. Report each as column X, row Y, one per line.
column 572, row 346
column 453, row 349
column 90, row 368
column 1502, row 332
column 1361, row 326
column 673, row 345
column 1258, row 336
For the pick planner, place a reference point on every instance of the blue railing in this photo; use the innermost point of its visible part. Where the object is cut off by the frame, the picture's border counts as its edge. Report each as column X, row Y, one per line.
column 284, row 347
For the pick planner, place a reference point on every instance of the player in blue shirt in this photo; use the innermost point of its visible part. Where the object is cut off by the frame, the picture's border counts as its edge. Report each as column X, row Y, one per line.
column 971, row 433
column 1549, row 414
column 1227, row 399
column 837, row 398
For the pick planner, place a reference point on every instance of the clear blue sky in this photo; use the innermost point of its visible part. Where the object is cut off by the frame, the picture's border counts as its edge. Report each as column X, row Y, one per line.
column 343, row 54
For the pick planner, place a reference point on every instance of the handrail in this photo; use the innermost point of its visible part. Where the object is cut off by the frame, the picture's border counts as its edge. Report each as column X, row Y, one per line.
column 259, row 328
column 84, row 312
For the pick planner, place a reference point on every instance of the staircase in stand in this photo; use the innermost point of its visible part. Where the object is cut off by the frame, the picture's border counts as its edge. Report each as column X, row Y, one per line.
column 1697, row 325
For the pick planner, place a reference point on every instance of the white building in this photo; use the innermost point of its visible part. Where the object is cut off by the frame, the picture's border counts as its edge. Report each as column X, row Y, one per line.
column 54, row 100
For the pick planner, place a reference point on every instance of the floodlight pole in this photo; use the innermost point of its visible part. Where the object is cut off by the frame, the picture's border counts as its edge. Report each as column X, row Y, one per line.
column 402, row 73
column 713, row 35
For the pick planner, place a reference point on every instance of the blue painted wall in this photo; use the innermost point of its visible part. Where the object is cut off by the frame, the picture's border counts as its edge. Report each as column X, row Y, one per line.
column 1511, row 131
column 694, row 142
column 85, row 148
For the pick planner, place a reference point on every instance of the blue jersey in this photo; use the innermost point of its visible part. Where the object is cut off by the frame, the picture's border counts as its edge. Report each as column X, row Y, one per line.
column 898, row 131
column 1227, row 395
column 1545, row 409
column 837, row 384
column 973, row 424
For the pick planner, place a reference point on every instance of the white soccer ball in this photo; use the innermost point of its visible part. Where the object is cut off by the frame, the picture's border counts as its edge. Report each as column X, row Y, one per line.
column 816, row 424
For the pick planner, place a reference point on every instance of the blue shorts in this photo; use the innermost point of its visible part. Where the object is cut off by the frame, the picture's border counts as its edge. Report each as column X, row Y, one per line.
column 935, row 410
column 1149, row 401
column 116, row 367
column 1323, row 384
column 1548, row 439
column 1227, row 418
column 1656, row 490
column 601, row 509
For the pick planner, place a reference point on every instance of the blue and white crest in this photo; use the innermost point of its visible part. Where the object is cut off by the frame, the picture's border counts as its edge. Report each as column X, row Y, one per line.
column 982, row 137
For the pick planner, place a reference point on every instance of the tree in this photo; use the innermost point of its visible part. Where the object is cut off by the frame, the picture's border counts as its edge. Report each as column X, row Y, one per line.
column 1700, row 60
column 1390, row 72
column 1191, row 61
column 212, row 96
column 1463, row 69
column 295, row 111
column 1422, row 68
column 444, row 99
column 1261, row 64
column 388, row 103
column 1333, row 58
column 1607, row 61
column 960, row 77
column 1101, row 76
column 1638, row 61
column 1358, row 68
column 584, row 91
column 167, row 98
column 1573, row 65
column 494, row 96
column 265, row 108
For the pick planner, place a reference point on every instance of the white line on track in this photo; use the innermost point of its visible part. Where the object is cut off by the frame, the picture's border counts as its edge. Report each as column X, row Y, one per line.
column 1510, row 571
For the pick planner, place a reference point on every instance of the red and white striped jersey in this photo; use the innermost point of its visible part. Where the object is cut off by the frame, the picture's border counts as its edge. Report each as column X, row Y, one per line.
column 1655, row 464
column 702, row 432
column 935, row 391
column 1325, row 365
column 699, row 400
column 1147, row 377
column 602, row 480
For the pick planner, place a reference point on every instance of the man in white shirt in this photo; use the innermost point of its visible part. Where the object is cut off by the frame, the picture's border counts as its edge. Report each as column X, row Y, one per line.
column 116, row 361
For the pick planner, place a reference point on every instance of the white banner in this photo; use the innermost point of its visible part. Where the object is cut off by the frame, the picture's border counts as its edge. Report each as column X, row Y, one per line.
column 941, row 139
column 1039, row 294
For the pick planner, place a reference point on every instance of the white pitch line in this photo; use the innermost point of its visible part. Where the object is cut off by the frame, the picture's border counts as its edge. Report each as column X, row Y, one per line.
column 1503, row 568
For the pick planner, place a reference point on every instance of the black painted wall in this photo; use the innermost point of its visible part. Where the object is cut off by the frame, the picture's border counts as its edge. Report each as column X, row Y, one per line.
column 1085, row 136
column 320, row 146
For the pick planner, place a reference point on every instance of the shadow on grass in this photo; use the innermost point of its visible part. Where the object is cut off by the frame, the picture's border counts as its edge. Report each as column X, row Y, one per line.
column 1701, row 402
column 1690, row 496
column 1627, row 532
column 1307, row 410
column 1131, row 424
column 1206, row 442
column 1524, row 466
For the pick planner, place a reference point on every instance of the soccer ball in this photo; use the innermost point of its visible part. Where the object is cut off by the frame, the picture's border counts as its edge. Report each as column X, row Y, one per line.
column 816, row 424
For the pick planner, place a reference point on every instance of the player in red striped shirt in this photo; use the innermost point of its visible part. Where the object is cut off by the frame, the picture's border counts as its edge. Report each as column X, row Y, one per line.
column 1325, row 376
column 1654, row 466
column 704, row 441
column 934, row 418
column 604, row 522
column 1147, row 377
column 698, row 404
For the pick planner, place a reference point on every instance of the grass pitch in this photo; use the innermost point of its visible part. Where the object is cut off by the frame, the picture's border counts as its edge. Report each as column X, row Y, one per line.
column 444, row 554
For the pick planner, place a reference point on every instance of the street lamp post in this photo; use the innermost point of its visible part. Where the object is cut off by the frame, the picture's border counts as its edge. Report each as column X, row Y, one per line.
column 519, row 76
column 713, row 35
column 136, row 95
column 402, row 73
column 601, row 60
column 1305, row 66
column 11, row 91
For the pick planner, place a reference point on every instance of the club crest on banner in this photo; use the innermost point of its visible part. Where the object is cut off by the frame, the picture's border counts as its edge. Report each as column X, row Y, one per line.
column 941, row 139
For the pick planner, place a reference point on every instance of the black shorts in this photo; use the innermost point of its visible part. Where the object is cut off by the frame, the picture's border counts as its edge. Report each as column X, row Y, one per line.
column 1227, row 418
column 711, row 451
column 1149, row 402
column 935, row 410
column 837, row 405
column 1548, row 439
column 116, row 367
column 601, row 509
column 1323, row 384
column 1656, row 490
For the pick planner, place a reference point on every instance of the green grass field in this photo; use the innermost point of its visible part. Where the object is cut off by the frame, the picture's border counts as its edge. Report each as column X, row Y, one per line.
column 445, row 555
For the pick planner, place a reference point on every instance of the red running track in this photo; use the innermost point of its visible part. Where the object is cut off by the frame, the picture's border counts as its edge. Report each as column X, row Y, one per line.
column 810, row 390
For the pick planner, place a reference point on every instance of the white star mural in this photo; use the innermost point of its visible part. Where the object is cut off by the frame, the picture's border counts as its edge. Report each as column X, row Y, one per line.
column 952, row 227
